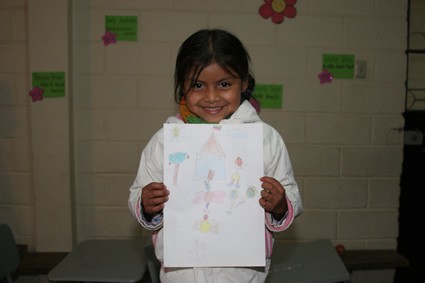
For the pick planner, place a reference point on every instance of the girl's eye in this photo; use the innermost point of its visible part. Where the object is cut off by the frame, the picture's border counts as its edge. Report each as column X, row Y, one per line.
column 225, row 84
column 197, row 85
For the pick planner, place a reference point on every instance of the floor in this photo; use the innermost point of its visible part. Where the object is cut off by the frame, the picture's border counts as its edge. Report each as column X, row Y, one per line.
column 43, row 279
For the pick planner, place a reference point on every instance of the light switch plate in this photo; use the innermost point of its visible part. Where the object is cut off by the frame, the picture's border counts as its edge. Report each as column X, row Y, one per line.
column 361, row 69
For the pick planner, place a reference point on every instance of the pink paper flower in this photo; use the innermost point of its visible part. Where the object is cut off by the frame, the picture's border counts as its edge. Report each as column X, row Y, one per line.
column 278, row 10
column 109, row 38
column 36, row 93
column 325, row 77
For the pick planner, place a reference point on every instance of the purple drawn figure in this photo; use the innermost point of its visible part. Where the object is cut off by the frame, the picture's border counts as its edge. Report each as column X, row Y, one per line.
column 177, row 158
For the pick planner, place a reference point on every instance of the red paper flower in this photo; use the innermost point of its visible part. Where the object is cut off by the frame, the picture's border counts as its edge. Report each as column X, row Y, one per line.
column 278, row 10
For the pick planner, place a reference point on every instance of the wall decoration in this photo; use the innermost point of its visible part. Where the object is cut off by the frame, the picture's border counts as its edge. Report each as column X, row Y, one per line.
column 341, row 66
column 277, row 10
column 36, row 94
column 109, row 38
column 213, row 204
column 325, row 77
column 125, row 27
column 52, row 84
column 269, row 95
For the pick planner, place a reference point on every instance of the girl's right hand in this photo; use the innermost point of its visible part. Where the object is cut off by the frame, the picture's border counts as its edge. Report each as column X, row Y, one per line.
column 154, row 195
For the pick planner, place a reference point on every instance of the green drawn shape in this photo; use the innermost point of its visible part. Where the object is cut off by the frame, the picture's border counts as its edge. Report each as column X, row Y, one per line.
column 341, row 66
column 53, row 83
column 269, row 95
column 125, row 27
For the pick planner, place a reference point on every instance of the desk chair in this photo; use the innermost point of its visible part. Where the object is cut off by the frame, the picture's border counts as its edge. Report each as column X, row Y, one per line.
column 152, row 262
column 9, row 255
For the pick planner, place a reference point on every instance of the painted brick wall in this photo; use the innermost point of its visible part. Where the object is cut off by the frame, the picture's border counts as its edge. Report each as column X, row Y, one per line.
column 342, row 137
column 16, row 190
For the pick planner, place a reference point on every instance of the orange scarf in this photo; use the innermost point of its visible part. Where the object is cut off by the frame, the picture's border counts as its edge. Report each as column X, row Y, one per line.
column 187, row 116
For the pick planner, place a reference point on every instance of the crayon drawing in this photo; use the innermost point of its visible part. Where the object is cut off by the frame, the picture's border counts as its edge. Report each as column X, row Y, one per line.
column 176, row 159
column 210, row 157
column 213, row 177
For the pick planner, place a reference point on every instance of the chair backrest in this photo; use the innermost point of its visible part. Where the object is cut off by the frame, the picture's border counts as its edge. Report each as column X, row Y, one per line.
column 9, row 255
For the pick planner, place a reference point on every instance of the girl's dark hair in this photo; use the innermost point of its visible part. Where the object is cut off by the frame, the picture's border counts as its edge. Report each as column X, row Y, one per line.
column 205, row 47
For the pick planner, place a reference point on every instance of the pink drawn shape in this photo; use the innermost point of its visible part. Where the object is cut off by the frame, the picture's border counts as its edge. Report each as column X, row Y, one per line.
column 199, row 197
column 109, row 38
column 209, row 197
column 325, row 77
column 219, row 196
column 36, row 94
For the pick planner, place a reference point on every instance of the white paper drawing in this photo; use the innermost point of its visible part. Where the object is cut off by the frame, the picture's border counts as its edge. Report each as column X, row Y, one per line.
column 213, row 217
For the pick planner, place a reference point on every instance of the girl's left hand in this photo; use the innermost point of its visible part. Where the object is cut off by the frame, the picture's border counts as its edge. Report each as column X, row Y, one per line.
column 273, row 197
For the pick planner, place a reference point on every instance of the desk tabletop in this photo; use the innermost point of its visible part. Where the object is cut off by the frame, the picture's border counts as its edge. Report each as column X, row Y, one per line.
column 102, row 261
column 309, row 262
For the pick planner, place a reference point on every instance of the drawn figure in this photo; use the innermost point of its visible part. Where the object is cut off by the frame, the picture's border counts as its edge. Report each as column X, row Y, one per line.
column 251, row 192
column 209, row 196
column 236, row 177
column 236, row 200
column 176, row 134
column 234, row 195
column 210, row 176
column 177, row 158
column 206, row 225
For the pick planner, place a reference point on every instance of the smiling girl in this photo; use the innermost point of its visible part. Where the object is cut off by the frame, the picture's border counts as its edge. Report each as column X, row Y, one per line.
column 213, row 84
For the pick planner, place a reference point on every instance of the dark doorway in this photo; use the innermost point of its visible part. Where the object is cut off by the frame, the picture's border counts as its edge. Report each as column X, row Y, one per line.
column 411, row 240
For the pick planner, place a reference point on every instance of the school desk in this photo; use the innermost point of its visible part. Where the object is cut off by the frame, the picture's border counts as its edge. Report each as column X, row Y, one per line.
column 309, row 262
column 102, row 261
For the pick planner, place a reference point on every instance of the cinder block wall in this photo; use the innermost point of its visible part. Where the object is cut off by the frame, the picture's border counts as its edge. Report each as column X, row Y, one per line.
column 16, row 186
column 344, row 138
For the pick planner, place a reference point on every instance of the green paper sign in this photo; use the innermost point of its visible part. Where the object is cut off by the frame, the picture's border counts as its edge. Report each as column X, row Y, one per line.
column 53, row 83
column 341, row 66
column 125, row 27
column 269, row 95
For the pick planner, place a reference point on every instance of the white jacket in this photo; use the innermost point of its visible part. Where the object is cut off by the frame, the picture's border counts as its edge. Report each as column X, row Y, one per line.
column 276, row 164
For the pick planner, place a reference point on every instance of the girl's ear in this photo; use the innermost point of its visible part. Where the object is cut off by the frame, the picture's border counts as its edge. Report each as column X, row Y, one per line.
column 244, row 85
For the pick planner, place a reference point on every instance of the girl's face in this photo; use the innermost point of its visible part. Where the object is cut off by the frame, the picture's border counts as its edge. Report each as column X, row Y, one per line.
column 215, row 95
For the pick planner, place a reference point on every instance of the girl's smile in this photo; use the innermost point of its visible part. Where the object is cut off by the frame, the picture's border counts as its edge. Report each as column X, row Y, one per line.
column 215, row 95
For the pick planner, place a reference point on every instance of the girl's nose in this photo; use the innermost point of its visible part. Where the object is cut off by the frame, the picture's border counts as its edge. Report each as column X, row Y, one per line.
column 212, row 94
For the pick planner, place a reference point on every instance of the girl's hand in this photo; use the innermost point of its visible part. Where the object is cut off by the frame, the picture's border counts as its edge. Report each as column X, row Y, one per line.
column 154, row 195
column 273, row 197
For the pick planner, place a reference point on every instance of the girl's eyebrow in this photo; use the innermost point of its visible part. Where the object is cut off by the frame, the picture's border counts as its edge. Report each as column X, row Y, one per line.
column 228, row 78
